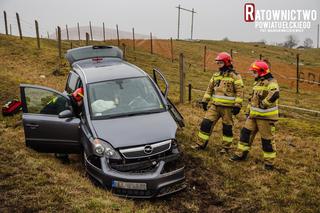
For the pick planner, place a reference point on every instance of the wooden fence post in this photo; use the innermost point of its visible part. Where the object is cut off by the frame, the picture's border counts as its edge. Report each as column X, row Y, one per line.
column 133, row 40
column 151, row 44
column 118, row 38
column 91, row 36
column 260, row 56
column 104, row 32
column 37, row 33
column 205, row 59
column 10, row 29
column 231, row 53
column 19, row 25
column 5, row 22
column 59, row 43
column 171, row 46
column 87, row 39
column 79, row 32
column 182, row 77
column 48, row 35
column 298, row 75
column 190, row 90
column 124, row 47
column 67, row 30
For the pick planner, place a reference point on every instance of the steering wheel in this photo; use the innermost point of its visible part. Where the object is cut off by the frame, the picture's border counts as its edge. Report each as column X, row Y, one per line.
column 138, row 102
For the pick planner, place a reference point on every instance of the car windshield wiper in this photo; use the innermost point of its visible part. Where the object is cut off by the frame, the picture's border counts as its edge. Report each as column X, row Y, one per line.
column 144, row 112
column 129, row 114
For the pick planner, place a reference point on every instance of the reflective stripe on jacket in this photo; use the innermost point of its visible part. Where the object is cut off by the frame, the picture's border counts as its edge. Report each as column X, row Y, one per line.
column 225, row 89
column 263, row 103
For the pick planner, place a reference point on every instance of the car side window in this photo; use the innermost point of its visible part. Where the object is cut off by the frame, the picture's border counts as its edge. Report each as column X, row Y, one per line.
column 73, row 81
column 40, row 101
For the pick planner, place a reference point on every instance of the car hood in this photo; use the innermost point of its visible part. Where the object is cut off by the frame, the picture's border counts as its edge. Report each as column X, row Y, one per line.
column 136, row 130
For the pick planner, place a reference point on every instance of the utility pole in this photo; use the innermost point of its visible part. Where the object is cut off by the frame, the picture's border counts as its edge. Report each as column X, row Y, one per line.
column 178, row 22
column 191, row 11
column 192, row 23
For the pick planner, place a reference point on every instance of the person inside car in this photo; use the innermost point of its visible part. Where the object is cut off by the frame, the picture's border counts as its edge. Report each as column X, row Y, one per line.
column 77, row 103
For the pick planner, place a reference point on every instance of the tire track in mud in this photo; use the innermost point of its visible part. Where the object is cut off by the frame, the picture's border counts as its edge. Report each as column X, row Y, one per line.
column 200, row 184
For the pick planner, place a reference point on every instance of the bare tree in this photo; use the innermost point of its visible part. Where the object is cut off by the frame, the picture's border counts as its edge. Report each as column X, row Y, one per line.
column 308, row 43
column 291, row 42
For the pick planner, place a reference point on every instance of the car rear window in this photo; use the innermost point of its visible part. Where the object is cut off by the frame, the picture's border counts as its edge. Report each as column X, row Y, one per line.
column 93, row 52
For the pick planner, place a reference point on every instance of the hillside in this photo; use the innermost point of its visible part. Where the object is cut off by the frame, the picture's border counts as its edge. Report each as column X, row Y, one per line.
column 30, row 181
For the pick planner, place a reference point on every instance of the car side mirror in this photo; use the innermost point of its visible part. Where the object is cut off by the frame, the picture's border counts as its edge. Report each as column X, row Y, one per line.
column 66, row 114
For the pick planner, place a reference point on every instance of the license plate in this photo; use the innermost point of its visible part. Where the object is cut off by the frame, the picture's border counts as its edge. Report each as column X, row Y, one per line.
column 129, row 185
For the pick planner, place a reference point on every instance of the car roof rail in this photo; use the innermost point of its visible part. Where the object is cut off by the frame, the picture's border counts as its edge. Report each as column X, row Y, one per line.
column 93, row 52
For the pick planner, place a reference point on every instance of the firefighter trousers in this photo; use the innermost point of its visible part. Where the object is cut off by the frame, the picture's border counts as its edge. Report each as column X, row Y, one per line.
column 266, row 128
column 212, row 116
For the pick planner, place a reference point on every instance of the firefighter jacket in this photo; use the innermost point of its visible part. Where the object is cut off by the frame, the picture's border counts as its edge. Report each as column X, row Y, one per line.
column 263, row 103
column 225, row 89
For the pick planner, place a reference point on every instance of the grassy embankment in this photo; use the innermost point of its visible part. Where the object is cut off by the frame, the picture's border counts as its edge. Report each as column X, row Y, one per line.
column 30, row 181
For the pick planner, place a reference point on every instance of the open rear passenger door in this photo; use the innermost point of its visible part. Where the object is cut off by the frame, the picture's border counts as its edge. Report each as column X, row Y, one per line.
column 48, row 120
column 163, row 85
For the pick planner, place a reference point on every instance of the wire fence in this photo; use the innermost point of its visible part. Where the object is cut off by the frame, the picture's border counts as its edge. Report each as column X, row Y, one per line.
column 295, row 73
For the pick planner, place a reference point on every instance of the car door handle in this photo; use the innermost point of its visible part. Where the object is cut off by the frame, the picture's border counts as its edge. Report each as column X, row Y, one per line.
column 32, row 126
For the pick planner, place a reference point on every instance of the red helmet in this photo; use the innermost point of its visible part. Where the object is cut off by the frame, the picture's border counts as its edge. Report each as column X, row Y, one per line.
column 78, row 94
column 225, row 57
column 261, row 67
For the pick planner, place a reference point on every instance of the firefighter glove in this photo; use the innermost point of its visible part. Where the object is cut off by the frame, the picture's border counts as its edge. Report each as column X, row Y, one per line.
column 204, row 106
column 236, row 110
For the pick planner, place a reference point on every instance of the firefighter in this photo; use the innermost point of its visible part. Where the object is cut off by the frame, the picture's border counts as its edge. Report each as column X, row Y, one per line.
column 262, row 113
column 222, row 99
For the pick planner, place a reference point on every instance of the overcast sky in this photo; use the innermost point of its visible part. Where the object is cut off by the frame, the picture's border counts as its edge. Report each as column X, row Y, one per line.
column 215, row 19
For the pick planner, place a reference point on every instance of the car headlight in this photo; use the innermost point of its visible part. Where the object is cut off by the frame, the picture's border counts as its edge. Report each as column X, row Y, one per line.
column 102, row 148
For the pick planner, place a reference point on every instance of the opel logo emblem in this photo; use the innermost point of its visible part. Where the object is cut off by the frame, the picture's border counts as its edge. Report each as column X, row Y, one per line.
column 148, row 149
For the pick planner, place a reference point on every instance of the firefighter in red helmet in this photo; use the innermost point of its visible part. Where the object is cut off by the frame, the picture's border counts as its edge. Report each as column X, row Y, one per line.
column 222, row 99
column 262, row 114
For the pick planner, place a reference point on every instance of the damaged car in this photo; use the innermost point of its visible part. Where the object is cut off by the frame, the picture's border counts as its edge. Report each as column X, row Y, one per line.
column 126, row 127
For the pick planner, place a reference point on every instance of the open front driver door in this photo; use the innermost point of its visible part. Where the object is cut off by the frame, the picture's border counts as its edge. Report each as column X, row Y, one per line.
column 44, row 130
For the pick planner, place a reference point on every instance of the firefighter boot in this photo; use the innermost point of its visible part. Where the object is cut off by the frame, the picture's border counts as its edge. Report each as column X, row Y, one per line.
column 268, row 166
column 242, row 157
column 198, row 146
column 64, row 158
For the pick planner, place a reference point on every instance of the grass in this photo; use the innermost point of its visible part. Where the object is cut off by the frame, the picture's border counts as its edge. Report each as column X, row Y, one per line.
column 31, row 181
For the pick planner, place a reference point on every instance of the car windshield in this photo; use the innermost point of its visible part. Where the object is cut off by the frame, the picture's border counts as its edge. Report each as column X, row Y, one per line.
column 123, row 97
